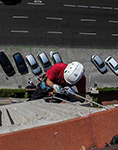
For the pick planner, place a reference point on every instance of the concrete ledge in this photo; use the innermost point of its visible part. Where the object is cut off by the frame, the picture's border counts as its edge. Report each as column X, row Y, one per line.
column 105, row 126
column 91, row 131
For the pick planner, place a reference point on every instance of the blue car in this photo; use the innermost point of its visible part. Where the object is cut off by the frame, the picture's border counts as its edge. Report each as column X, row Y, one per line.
column 20, row 63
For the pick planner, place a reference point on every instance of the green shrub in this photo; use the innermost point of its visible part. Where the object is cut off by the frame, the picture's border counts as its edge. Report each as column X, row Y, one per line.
column 106, row 89
column 26, row 95
column 17, row 93
column 95, row 99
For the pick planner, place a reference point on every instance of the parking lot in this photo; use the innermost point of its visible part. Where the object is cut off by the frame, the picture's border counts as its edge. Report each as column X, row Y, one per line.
column 82, row 55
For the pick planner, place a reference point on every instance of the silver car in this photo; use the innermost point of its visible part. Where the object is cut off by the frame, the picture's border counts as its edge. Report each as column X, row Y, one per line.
column 98, row 62
column 36, row 70
column 56, row 58
column 43, row 58
column 112, row 64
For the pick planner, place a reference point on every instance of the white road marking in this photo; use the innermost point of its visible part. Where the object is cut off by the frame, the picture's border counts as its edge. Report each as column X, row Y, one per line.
column 109, row 8
column 82, row 6
column 68, row 5
column 85, row 33
column 19, row 31
column 95, row 7
column 115, row 8
column 54, row 32
column 41, row 4
column 19, row 17
column 54, row 18
column 92, row 7
column 113, row 21
column 115, row 34
column 87, row 20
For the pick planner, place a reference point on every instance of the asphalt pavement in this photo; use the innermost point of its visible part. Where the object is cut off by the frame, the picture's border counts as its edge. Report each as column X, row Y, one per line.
column 60, row 23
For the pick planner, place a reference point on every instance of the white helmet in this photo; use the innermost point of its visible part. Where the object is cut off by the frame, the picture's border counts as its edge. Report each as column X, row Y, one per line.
column 73, row 72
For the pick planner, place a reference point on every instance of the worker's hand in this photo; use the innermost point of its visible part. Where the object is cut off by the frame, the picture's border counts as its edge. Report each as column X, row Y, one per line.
column 69, row 91
column 58, row 89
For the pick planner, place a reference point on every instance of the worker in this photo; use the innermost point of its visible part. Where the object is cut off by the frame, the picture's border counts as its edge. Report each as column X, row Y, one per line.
column 61, row 75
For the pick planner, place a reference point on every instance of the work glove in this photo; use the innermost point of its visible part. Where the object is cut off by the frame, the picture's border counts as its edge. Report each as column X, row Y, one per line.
column 68, row 90
column 58, row 89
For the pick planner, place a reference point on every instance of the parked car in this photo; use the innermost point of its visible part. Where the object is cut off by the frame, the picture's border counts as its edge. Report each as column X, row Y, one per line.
column 11, row 2
column 20, row 63
column 43, row 58
column 56, row 58
column 6, row 64
column 112, row 64
column 98, row 62
column 36, row 70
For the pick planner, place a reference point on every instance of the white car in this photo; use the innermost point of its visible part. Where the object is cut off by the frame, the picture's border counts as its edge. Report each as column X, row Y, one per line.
column 112, row 64
column 98, row 62
column 36, row 70
column 43, row 58
column 56, row 58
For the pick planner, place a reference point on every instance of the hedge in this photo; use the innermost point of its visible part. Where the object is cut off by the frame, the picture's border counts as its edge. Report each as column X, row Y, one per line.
column 17, row 93
column 106, row 89
column 105, row 94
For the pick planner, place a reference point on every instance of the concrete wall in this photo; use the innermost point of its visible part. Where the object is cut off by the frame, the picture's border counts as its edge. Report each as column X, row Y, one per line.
column 90, row 131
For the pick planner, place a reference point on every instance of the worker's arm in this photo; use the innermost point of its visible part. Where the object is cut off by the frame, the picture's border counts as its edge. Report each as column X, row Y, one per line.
column 49, row 83
column 57, row 88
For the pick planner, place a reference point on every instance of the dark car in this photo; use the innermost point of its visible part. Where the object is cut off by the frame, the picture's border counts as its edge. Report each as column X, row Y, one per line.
column 43, row 58
column 11, row 2
column 6, row 65
column 20, row 63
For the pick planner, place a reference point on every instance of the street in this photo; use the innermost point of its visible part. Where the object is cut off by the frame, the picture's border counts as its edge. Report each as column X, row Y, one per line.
column 60, row 23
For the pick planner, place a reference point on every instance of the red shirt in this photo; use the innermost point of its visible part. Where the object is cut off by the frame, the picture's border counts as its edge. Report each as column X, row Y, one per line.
column 56, row 75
